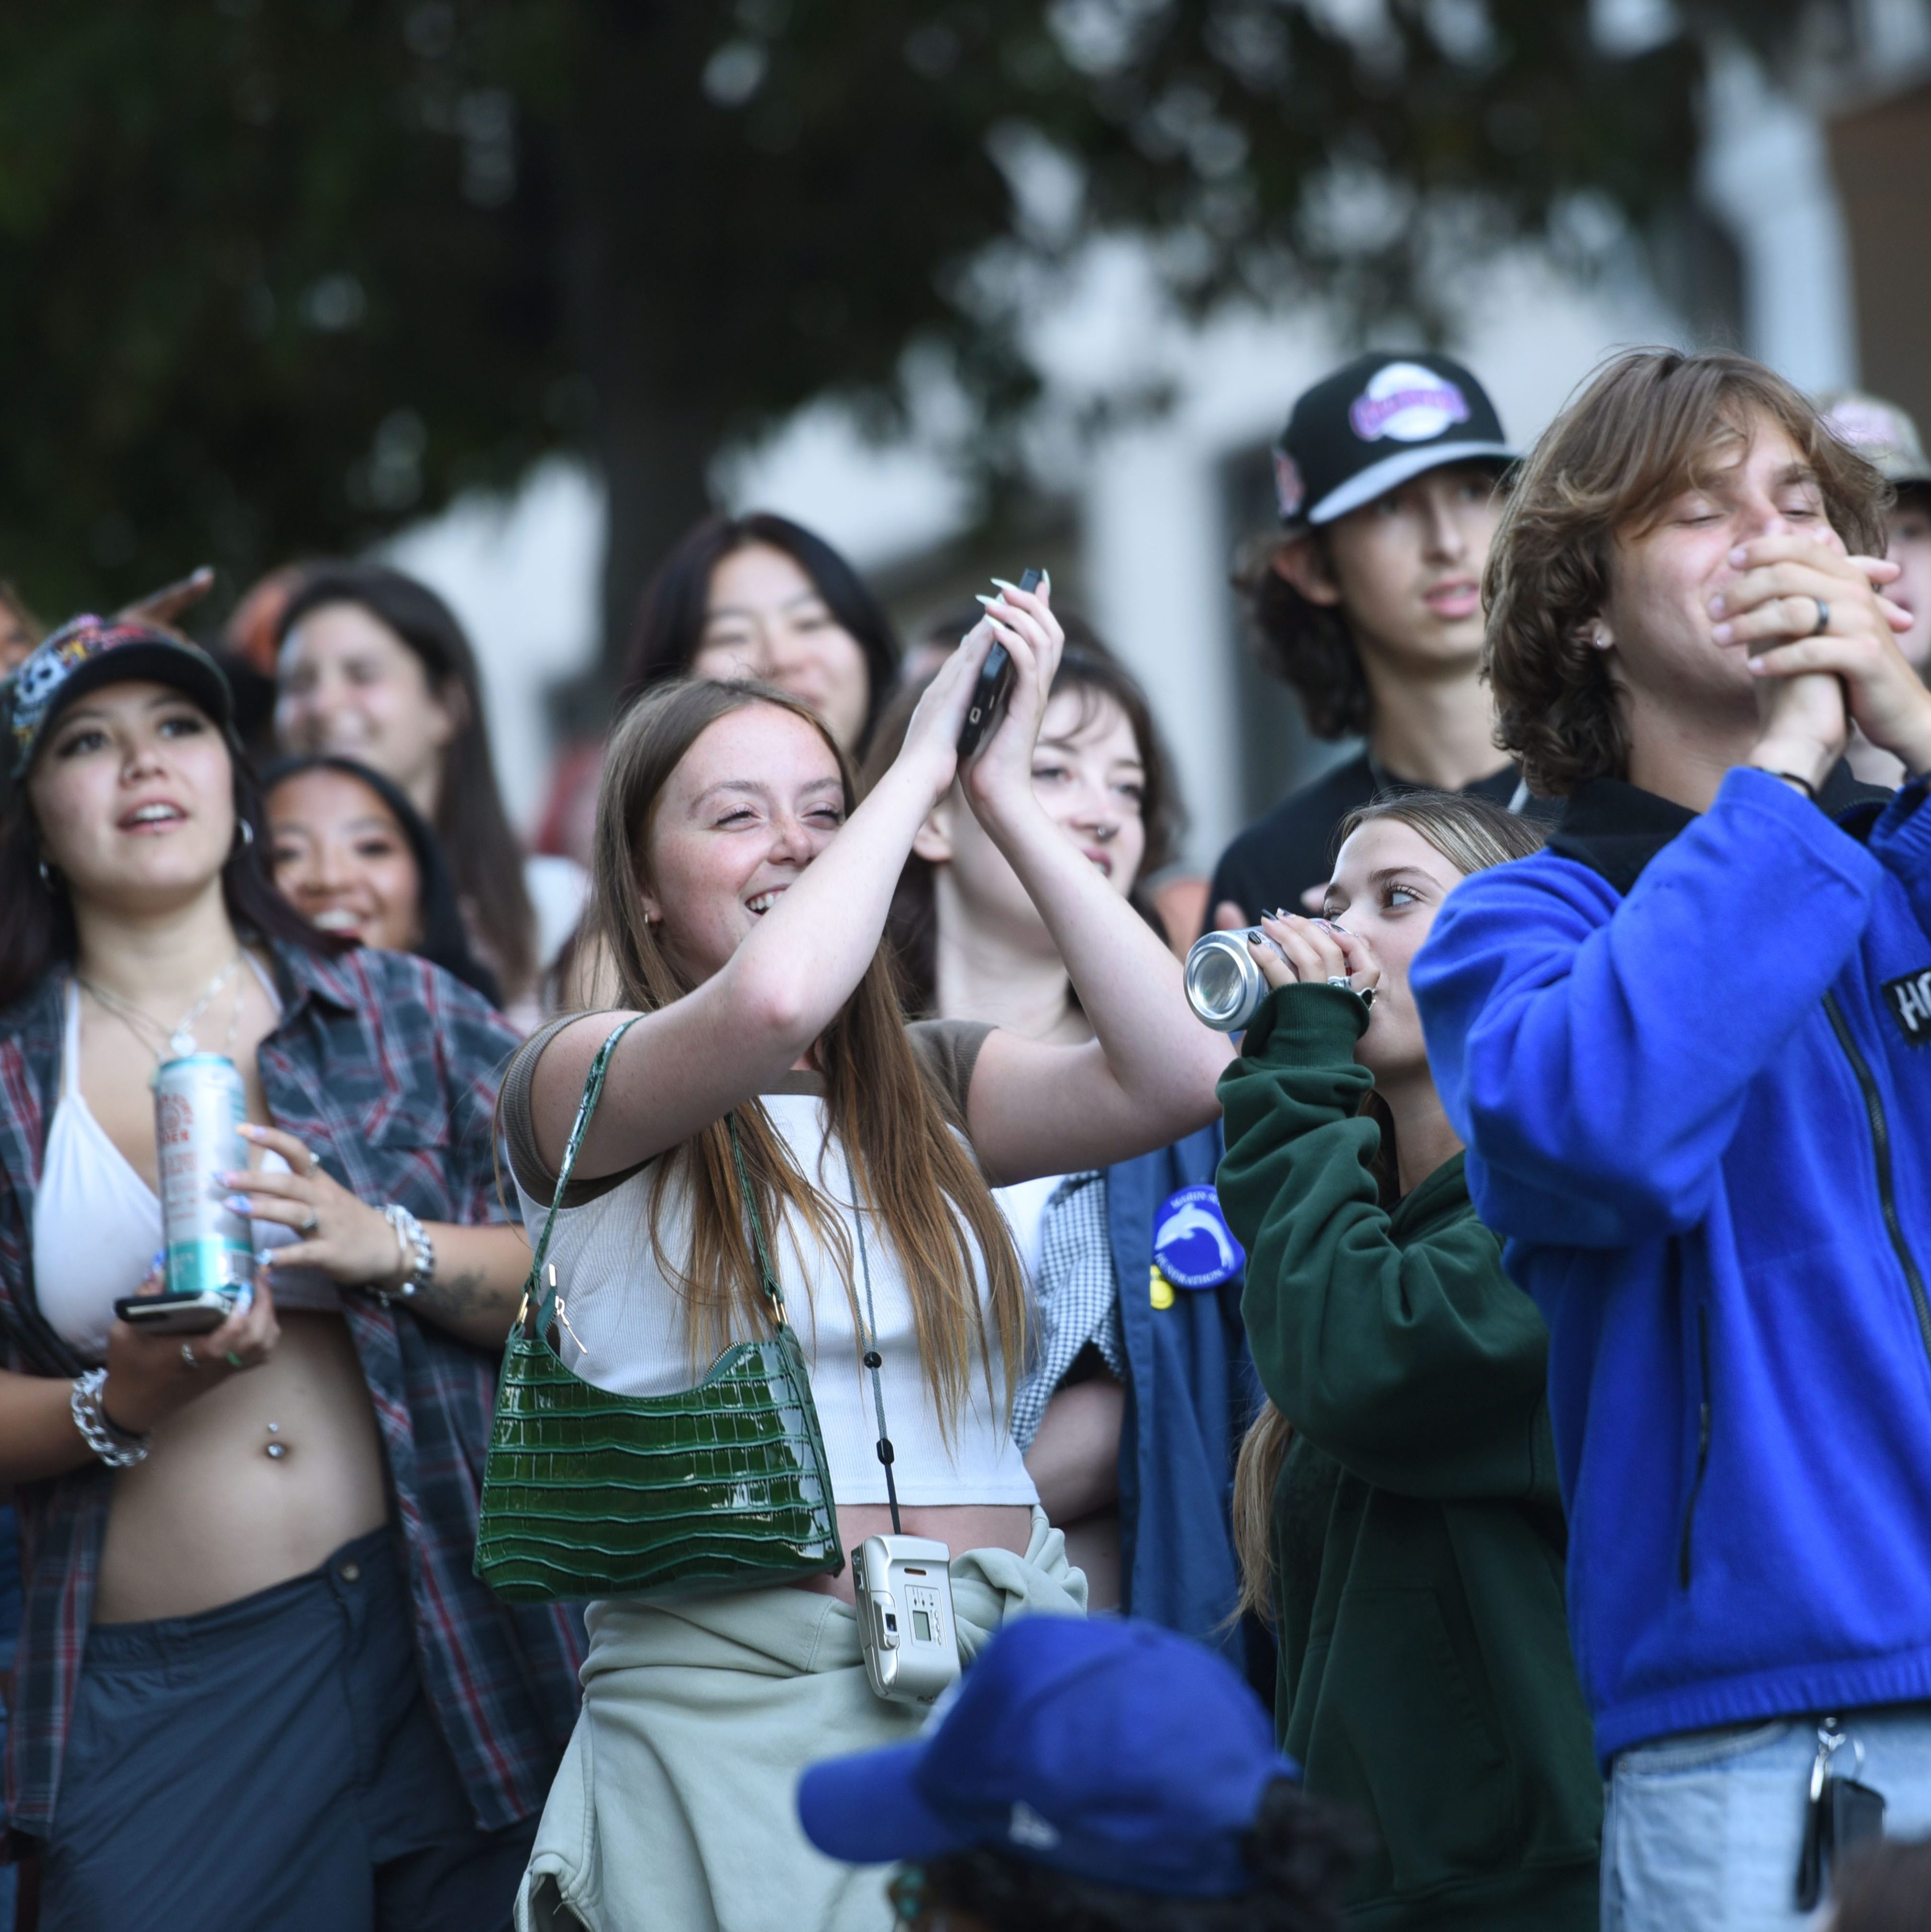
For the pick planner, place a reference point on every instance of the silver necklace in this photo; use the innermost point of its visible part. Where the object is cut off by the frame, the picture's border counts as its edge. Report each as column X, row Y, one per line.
column 179, row 1039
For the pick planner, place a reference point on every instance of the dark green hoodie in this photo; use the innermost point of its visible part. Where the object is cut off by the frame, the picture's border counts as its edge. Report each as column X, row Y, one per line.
column 1425, row 1672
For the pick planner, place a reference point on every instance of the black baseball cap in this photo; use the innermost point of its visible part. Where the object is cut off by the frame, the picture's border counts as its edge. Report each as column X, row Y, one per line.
column 88, row 651
column 1374, row 423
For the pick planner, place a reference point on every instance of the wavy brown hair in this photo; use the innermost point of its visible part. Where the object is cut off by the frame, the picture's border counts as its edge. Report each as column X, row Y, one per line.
column 1472, row 834
column 1307, row 646
column 1651, row 423
column 909, row 1158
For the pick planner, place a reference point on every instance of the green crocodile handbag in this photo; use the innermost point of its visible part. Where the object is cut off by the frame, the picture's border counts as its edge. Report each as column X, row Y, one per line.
column 588, row 1493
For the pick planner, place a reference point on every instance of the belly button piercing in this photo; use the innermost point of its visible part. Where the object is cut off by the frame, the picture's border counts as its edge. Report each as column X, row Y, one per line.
column 276, row 1450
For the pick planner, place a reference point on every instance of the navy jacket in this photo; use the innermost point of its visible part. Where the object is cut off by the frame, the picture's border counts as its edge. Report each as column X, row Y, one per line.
column 1191, row 1394
column 1691, row 1058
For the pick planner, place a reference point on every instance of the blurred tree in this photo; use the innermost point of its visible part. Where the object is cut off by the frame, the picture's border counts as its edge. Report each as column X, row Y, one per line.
column 276, row 276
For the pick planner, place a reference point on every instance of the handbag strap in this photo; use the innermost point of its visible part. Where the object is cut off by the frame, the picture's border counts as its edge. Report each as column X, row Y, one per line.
column 537, row 1293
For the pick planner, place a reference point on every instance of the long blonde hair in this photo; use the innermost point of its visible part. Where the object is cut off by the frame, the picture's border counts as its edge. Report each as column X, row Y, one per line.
column 908, row 1162
column 1472, row 834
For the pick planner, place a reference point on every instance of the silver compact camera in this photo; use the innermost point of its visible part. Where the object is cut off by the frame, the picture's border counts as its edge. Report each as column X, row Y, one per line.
column 1225, row 987
column 903, row 1589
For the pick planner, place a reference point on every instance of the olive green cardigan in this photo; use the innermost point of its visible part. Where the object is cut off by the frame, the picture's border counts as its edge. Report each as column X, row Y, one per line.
column 1425, row 1677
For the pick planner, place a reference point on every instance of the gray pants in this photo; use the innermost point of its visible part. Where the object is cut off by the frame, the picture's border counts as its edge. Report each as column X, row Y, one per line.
column 271, row 1764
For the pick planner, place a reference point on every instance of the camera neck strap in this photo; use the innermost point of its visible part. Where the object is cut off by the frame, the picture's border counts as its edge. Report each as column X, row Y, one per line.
column 874, row 1361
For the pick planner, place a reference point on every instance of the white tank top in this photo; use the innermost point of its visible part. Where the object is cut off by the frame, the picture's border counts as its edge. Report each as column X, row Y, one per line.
column 626, row 1329
column 97, row 1224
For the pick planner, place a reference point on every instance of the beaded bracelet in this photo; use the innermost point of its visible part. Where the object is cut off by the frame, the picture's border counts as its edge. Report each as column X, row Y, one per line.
column 418, row 1251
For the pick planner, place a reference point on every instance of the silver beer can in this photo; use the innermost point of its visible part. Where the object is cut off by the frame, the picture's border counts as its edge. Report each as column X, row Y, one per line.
column 198, row 1109
column 1225, row 987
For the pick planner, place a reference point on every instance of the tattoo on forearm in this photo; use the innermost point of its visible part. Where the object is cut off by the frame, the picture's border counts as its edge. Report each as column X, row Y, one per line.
column 458, row 1295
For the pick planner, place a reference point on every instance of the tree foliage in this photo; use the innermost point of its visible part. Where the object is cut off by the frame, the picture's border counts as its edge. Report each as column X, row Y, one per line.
column 278, row 275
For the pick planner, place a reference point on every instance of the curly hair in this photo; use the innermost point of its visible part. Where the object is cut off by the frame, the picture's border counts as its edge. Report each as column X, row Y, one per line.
column 1650, row 424
column 1300, row 1848
column 1307, row 646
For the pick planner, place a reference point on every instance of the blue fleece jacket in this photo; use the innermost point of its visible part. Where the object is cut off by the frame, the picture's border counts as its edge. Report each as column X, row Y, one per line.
column 1691, row 1058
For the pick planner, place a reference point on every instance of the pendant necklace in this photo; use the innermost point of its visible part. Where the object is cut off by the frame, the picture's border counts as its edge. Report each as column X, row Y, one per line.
column 179, row 1039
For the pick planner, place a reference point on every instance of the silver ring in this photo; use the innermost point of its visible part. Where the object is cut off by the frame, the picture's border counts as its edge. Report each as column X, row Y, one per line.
column 310, row 1222
column 1823, row 622
column 314, row 1161
column 188, row 1356
column 1344, row 981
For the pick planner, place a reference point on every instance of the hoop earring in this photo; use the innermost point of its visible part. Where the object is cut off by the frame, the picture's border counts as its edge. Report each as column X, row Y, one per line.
column 246, row 835
column 49, row 878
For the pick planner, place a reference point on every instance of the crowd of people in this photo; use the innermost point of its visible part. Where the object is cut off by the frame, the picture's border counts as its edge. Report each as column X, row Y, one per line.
column 1453, row 1455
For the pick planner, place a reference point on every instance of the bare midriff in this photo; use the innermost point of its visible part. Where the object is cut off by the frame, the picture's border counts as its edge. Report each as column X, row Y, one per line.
column 959, row 1526
column 212, row 1516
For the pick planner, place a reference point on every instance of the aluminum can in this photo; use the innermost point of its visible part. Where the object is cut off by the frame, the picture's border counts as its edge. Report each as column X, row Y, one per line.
column 198, row 1109
column 1225, row 987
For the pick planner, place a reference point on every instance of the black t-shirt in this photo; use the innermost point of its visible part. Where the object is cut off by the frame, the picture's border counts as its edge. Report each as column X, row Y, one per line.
column 1278, row 857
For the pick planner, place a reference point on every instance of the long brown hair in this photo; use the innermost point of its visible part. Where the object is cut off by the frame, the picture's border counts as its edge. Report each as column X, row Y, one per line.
column 1472, row 834
column 1648, row 426
column 908, row 1158
column 1088, row 666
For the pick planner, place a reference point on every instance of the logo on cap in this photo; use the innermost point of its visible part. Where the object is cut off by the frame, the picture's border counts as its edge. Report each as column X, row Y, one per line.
column 1407, row 402
column 1289, row 492
column 1192, row 1245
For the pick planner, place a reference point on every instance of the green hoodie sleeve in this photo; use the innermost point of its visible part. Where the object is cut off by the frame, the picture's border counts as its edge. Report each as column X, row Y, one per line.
column 1399, row 1347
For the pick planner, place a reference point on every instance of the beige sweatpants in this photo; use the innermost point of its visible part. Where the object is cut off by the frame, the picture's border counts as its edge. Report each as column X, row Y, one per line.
column 675, row 1809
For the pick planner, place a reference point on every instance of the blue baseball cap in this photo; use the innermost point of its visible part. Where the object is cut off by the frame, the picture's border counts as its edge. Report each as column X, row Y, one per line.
column 1115, row 1751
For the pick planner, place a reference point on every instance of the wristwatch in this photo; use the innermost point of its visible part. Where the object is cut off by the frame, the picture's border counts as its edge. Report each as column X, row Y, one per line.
column 418, row 1254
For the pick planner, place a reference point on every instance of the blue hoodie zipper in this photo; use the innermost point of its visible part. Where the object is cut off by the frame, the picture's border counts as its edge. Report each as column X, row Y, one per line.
column 1881, row 1150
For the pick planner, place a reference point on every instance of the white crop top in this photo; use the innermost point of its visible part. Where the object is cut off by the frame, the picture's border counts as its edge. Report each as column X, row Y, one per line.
column 626, row 1330
column 97, row 1224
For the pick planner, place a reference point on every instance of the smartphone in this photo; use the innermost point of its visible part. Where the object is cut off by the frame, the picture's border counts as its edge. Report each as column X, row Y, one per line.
column 989, row 694
column 174, row 1314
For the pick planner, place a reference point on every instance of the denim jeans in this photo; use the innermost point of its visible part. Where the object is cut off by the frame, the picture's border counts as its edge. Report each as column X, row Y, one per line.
column 1703, row 1831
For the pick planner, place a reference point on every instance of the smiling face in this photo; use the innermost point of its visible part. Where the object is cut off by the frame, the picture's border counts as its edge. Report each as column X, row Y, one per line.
column 753, row 801
column 341, row 858
column 766, row 620
column 1088, row 775
column 1389, row 883
column 134, row 791
column 1407, row 568
column 347, row 685
column 1661, row 579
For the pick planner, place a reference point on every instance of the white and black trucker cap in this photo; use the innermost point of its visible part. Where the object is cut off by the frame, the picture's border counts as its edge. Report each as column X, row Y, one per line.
column 1374, row 423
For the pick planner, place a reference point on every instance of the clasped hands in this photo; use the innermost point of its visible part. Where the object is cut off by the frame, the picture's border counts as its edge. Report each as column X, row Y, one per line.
column 1821, row 638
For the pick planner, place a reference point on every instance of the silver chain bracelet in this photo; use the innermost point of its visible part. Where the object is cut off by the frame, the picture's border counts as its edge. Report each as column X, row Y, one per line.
column 118, row 1451
column 419, row 1253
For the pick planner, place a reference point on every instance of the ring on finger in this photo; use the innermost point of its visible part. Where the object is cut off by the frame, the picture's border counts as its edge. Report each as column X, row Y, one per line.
column 188, row 1356
column 234, row 1360
column 1343, row 980
column 309, row 1222
column 314, row 1160
column 1823, row 622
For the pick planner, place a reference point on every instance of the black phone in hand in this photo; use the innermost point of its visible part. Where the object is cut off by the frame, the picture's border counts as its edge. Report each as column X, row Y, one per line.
column 990, row 694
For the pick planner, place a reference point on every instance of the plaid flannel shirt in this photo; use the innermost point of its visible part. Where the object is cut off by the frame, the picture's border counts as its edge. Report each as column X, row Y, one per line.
column 389, row 1069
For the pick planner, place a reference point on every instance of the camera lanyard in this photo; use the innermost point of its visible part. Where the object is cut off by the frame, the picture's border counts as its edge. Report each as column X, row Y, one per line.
column 874, row 1361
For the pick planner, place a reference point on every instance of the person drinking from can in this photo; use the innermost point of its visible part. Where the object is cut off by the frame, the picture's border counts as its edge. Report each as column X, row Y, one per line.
column 1397, row 1504
column 742, row 901
column 257, row 1684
